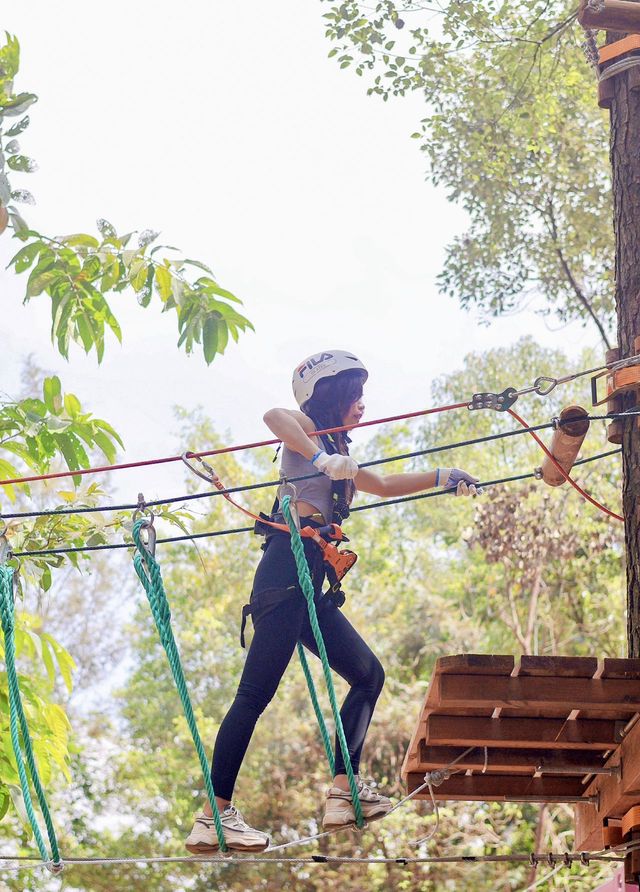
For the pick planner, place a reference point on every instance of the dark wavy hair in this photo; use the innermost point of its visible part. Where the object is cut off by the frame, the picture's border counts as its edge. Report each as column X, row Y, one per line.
column 327, row 406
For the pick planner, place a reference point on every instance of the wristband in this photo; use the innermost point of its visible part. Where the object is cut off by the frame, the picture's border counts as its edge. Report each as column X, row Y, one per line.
column 317, row 455
column 437, row 483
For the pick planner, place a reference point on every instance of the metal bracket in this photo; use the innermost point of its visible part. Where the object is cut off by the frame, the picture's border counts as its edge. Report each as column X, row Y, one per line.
column 617, row 381
column 498, row 401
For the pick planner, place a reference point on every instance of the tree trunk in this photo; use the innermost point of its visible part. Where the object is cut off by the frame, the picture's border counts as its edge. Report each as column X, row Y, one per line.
column 625, row 162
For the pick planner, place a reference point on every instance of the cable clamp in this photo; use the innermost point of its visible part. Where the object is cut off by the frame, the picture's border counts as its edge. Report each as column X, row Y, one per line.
column 533, row 860
column 142, row 509
column 584, row 859
column 537, row 473
column 55, row 867
column 437, row 777
column 498, row 401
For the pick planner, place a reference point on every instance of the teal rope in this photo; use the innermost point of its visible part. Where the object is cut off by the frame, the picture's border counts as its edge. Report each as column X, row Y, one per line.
column 316, row 708
column 308, row 591
column 148, row 571
column 18, row 718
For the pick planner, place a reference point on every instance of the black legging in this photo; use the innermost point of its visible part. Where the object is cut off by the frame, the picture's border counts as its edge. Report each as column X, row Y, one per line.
column 277, row 631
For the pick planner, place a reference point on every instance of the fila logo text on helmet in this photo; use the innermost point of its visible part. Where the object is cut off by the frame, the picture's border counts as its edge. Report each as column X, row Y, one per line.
column 322, row 365
column 314, row 364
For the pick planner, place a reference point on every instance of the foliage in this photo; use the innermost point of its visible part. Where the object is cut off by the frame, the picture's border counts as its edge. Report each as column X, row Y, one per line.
column 513, row 133
column 48, row 724
column 77, row 271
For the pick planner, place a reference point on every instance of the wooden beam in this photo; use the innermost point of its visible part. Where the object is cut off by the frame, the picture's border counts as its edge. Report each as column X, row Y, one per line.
column 589, row 734
column 616, row 15
column 496, row 787
column 475, row 664
column 505, row 761
column 613, row 51
column 540, row 693
column 616, row 795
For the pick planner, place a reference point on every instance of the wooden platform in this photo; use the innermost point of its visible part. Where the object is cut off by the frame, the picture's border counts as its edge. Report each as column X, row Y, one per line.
column 542, row 729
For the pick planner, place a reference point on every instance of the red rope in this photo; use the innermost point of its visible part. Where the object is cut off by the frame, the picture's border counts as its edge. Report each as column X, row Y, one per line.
column 576, row 486
column 159, row 461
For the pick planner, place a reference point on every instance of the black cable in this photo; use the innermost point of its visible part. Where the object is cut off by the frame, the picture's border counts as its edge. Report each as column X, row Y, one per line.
column 235, row 489
column 432, row 450
column 382, row 504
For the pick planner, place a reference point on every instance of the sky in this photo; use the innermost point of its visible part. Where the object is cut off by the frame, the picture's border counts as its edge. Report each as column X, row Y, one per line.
column 227, row 128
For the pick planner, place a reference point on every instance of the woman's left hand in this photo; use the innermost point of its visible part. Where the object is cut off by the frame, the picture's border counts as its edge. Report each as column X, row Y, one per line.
column 454, row 478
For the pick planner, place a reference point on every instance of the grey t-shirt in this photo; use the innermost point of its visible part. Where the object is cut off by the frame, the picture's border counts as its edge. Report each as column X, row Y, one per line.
column 317, row 490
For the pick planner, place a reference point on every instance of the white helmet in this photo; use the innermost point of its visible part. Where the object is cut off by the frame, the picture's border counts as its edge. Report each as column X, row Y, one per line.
column 322, row 365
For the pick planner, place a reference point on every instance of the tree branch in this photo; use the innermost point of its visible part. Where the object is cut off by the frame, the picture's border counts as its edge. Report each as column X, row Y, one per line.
column 577, row 290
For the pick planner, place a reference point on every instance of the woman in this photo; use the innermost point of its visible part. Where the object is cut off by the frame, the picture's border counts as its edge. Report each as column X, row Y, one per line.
column 328, row 388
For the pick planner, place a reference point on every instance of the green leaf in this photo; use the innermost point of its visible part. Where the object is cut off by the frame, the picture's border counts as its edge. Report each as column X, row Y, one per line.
column 18, row 104
column 5, row 800
column 52, row 391
column 8, row 472
column 164, row 282
column 80, row 239
column 105, row 228
column 210, row 338
column 72, row 405
column 22, row 163
column 19, row 127
column 105, row 445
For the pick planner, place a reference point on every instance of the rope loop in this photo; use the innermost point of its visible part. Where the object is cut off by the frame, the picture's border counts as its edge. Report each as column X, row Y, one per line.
column 148, row 571
column 18, row 724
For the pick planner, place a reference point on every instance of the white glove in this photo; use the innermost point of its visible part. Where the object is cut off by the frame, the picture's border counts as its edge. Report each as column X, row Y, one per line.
column 337, row 467
column 454, row 478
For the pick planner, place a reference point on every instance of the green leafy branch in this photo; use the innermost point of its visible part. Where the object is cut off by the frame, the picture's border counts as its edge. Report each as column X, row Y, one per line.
column 77, row 271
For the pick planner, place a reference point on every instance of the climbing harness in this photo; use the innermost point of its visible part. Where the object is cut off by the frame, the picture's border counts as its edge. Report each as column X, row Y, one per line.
column 338, row 562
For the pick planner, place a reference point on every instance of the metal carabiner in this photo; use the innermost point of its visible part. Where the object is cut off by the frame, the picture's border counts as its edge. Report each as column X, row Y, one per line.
column 150, row 544
column 208, row 474
column 288, row 489
column 5, row 548
column 142, row 509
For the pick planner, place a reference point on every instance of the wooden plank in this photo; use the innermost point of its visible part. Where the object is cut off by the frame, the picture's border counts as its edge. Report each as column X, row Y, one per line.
column 611, row 51
column 536, row 693
column 618, row 668
column 616, row 795
column 504, row 760
column 589, row 734
column 567, row 667
column 496, row 787
column 475, row 664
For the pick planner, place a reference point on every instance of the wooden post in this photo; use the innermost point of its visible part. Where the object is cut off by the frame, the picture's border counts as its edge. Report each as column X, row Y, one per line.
column 625, row 163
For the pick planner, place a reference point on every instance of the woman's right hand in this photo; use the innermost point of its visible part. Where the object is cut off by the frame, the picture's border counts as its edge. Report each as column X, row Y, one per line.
column 337, row 467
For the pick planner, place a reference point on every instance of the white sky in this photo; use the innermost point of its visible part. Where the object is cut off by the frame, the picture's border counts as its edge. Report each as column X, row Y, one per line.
column 226, row 127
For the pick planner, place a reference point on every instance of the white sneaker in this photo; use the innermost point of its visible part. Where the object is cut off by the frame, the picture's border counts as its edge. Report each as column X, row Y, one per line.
column 339, row 810
column 239, row 837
